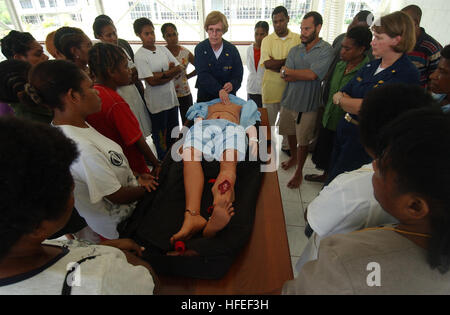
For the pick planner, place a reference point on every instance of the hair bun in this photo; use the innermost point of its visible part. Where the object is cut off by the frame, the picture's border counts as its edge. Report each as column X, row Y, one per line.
column 33, row 94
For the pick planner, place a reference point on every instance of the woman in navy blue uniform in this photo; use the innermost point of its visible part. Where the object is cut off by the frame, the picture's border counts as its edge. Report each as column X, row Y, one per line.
column 393, row 38
column 218, row 63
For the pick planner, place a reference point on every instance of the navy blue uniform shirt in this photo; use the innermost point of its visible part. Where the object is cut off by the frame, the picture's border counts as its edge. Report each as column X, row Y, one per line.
column 213, row 73
column 402, row 71
column 348, row 152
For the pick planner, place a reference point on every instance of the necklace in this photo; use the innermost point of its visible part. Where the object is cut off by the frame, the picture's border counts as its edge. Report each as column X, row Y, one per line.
column 396, row 230
column 348, row 70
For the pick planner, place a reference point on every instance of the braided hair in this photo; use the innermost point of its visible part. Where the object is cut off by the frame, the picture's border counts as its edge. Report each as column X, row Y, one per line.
column 49, row 81
column 67, row 38
column 104, row 57
column 35, row 179
column 16, row 43
column 13, row 78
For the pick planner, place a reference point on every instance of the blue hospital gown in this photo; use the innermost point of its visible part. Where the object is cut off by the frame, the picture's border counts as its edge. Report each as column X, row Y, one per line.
column 213, row 137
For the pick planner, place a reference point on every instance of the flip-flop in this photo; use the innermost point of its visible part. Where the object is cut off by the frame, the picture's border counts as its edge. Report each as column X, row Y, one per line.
column 315, row 178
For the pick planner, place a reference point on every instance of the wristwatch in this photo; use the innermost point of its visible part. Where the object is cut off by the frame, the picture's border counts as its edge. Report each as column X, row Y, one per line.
column 283, row 73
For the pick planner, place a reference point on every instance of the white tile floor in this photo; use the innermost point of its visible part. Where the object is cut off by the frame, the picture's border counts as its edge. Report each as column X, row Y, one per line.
column 295, row 202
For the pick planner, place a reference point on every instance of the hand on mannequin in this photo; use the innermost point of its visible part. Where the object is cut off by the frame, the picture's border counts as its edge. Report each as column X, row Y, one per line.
column 148, row 182
column 228, row 87
column 224, row 97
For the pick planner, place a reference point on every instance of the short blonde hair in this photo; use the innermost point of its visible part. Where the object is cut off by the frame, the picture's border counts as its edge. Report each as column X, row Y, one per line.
column 398, row 24
column 215, row 17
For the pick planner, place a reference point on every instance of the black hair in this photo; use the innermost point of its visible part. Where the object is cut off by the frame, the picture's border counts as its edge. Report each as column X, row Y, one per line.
column 13, row 77
column 98, row 26
column 384, row 104
column 104, row 57
column 16, row 43
column 278, row 10
column 318, row 20
column 50, row 80
column 165, row 26
column 361, row 36
column 35, row 179
column 264, row 25
column 362, row 16
column 445, row 52
column 416, row 12
column 66, row 38
column 139, row 24
column 104, row 17
column 416, row 147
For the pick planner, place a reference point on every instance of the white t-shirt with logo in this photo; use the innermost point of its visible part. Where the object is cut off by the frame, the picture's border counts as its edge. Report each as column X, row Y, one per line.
column 100, row 170
column 108, row 273
column 159, row 97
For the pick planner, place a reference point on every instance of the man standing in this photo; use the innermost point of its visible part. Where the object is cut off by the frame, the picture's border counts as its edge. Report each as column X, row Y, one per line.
column 274, row 50
column 305, row 68
column 427, row 52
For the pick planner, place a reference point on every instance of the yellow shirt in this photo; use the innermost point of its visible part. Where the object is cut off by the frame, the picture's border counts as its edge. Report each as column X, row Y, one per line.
column 273, row 46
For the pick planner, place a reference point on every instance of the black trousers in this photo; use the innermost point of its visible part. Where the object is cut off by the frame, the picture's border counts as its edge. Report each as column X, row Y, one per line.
column 185, row 103
column 257, row 98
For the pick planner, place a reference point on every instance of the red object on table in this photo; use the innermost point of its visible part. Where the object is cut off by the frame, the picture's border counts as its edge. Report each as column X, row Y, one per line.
column 180, row 247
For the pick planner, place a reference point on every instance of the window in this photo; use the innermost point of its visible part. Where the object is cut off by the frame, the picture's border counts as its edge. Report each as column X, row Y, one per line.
column 52, row 3
column 352, row 7
column 77, row 17
column 70, row 3
column 167, row 10
column 42, row 3
column 26, row 4
column 32, row 19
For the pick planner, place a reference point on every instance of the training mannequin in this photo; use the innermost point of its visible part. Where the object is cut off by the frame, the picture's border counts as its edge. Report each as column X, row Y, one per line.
column 218, row 133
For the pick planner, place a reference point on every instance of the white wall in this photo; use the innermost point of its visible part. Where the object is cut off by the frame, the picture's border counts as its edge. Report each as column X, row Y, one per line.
column 435, row 17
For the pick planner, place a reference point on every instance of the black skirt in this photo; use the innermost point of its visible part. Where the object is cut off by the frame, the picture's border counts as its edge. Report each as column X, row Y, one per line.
column 324, row 148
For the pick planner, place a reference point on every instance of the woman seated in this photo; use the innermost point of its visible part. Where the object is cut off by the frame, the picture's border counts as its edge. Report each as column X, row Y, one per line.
column 411, row 182
column 106, row 190
column 219, row 133
column 36, row 189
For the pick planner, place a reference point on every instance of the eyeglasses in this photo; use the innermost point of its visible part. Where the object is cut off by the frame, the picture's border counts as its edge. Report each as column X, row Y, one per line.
column 214, row 31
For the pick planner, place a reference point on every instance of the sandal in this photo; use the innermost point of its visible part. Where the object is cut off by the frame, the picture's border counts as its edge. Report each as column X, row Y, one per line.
column 315, row 178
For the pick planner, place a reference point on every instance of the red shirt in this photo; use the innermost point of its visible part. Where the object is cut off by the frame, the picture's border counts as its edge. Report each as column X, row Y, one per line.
column 257, row 54
column 117, row 122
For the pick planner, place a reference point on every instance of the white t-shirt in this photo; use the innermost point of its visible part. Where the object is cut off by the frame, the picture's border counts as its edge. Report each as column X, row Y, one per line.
column 218, row 52
column 159, row 97
column 131, row 95
column 100, row 170
column 255, row 77
column 108, row 273
column 379, row 70
column 347, row 204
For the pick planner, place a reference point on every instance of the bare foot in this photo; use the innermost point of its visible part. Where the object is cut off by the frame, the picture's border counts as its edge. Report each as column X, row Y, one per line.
column 223, row 211
column 191, row 225
column 288, row 164
column 295, row 181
